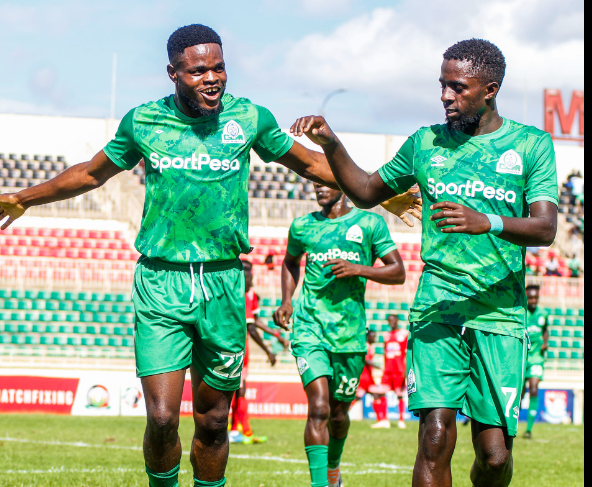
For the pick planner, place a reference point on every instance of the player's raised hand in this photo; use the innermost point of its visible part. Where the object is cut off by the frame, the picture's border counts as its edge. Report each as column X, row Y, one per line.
column 10, row 207
column 403, row 205
column 283, row 315
column 462, row 219
column 342, row 269
column 315, row 128
column 272, row 358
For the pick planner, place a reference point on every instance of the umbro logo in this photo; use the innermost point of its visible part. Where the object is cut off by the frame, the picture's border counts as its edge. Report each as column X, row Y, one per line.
column 438, row 161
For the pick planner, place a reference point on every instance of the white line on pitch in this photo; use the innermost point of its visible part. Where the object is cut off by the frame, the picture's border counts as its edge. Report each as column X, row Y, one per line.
column 62, row 470
column 268, row 458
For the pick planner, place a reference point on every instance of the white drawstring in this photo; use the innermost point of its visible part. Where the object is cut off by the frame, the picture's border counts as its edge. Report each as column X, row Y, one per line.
column 192, row 284
column 463, row 331
column 201, row 281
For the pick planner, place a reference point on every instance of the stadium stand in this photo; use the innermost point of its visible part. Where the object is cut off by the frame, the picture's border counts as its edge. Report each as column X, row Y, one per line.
column 23, row 171
column 100, row 325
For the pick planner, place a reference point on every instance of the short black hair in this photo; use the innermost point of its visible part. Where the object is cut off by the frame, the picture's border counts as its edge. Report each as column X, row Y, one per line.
column 488, row 62
column 533, row 287
column 190, row 35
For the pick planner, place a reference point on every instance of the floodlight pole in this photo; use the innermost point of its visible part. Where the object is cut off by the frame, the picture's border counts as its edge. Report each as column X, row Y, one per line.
column 327, row 98
column 113, row 84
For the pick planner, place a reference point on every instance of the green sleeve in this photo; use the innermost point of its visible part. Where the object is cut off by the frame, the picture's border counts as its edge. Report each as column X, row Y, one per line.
column 541, row 175
column 382, row 243
column 270, row 143
column 399, row 173
column 123, row 150
column 295, row 244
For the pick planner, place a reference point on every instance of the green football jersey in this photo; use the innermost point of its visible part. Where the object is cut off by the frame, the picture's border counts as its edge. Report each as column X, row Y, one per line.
column 332, row 311
column 475, row 281
column 537, row 324
column 197, row 173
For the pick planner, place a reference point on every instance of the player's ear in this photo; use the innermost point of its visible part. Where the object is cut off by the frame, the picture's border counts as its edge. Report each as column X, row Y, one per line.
column 492, row 90
column 172, row 73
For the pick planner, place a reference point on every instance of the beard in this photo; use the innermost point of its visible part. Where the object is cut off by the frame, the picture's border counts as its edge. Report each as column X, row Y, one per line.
column 464, row 124
column 195, row 106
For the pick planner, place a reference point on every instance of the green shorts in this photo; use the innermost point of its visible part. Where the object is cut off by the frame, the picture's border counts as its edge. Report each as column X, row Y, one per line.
column 535, row 370
column 343, row 369
column 172, row 333
column 479, row 373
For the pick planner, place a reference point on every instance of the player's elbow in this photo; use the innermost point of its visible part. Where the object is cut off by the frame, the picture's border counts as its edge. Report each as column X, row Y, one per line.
column 548, row 233
column 398, row 276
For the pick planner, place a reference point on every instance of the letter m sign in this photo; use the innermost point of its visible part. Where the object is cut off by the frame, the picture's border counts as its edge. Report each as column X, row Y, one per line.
column 554, row 106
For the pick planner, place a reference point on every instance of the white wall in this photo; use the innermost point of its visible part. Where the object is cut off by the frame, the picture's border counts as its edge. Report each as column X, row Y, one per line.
column 80, row 138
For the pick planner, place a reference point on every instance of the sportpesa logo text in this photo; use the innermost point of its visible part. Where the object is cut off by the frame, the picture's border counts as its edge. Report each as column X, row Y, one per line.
column 470, row 189
column 334, row 254
column 196, row 163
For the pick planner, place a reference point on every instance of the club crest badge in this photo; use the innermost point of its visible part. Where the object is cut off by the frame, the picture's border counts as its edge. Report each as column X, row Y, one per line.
column 302, row 365
column 510, row 163
column 355, row 234
column 233, row 133
column 411, row 382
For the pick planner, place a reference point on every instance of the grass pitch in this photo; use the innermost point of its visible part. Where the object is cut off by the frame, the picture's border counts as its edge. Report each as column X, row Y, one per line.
column 52, row 451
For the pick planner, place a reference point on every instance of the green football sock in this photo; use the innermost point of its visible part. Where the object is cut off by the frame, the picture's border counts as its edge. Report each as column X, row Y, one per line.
column 168, row 479
column 201, row 483
column 317, row 463
column 532, row 413
column 335, row 451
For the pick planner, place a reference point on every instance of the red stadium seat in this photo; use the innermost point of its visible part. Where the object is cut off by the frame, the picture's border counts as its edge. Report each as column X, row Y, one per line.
column 31, row 232
column 44, row 252
column 18, row 231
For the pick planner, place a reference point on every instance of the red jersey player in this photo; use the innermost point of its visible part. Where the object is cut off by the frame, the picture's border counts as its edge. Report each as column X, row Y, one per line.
column 393, row 379
column 367, row 383
column 240, row 415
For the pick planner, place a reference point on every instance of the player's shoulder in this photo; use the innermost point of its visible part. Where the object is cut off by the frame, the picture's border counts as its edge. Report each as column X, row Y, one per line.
column 154, row 107
column 237, row 103
column 431, row 134
column 302, row 222
column 369, row 220
column 402, row 334
column 528, row 132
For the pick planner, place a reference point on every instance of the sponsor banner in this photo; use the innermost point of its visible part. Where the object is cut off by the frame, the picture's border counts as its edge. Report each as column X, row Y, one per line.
column 133, row 402
column 555, row 407
column 24, row 394
column 98, row 395
column 266, row 400
column 393, row 408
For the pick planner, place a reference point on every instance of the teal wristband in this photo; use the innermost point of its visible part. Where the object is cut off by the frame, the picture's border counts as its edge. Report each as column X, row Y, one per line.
column 497, row 224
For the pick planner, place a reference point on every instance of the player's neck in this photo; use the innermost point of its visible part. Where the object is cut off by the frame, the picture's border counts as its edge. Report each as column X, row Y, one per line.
column 185, row 108
column 336, row 210
column 489, row 123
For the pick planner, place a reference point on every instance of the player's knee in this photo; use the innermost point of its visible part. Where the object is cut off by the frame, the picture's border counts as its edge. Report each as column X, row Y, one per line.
column 318, row 411
column 163, row 422
column 338, row 418
column 435, row 440
column 497, row 461
column 212, row 426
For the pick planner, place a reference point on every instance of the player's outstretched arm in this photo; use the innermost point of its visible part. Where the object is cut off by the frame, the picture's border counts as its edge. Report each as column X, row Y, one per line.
column 252, row 328
column 259, row 324
column 309, row 164
column 539, row 230
column 290, row 279
column 74, row 181
column 392, row 273
column 366, row 191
